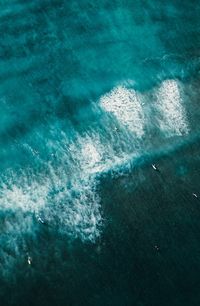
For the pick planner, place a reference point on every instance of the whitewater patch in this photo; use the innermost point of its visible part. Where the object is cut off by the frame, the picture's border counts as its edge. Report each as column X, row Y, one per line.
column 72, row 205
column 126, row 106
column 88, row 153
column 65, row 193
column 23, row 191
column 77, row 211
column 64, row 190
column 173, row 119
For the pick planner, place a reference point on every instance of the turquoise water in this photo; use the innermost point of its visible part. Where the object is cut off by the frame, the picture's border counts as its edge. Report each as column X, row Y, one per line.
column 91, row 95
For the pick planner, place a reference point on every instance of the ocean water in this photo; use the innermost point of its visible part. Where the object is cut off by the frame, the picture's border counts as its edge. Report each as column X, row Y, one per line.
column 92, row 93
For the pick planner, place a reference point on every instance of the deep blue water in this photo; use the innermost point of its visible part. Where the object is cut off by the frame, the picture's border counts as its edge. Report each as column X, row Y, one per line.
column 92, row 93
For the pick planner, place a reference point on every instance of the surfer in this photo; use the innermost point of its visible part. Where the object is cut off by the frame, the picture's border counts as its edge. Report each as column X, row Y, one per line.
column 40, row 220
column 155, row 167
column 29, row 260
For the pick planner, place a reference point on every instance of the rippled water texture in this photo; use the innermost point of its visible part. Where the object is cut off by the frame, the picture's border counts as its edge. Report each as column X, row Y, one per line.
column 93, row 93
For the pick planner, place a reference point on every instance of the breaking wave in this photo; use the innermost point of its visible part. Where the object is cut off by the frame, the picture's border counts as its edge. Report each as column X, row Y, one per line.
column 173, row 119
column 64, row 191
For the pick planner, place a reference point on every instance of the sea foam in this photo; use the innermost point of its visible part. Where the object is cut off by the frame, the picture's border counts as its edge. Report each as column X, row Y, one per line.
column 125, row 104
column 173, row 119
column 66, row 192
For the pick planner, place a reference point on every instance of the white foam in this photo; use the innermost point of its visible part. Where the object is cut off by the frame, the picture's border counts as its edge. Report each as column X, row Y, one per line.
column 94, row 154
column 79, row 210
column 66, row 192
column 86, row 155
column 125, row 104
column 78, row 206
column 173, row 120
column 17, row 193
column 91, row 155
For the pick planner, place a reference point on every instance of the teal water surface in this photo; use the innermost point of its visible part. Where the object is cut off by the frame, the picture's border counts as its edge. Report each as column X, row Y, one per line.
column 92, row 94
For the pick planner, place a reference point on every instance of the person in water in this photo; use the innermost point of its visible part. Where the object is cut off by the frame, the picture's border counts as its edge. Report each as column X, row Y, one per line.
column 155, row 167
